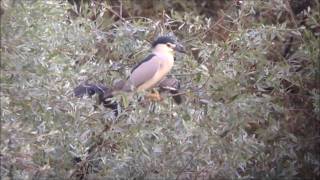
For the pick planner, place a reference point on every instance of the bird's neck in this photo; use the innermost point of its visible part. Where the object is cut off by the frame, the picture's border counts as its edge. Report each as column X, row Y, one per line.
column 162, row 49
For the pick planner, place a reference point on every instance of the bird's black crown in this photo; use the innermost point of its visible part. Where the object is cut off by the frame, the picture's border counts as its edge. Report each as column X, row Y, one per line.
column 163, row 40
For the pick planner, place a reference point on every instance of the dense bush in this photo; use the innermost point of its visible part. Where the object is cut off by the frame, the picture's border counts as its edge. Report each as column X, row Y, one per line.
column 250, row 83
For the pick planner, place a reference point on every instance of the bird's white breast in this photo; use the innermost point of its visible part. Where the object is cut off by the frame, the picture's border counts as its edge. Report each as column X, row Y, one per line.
column 165, row 62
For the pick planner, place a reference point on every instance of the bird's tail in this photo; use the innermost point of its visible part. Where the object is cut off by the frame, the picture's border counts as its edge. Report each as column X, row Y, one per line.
column 104, row 94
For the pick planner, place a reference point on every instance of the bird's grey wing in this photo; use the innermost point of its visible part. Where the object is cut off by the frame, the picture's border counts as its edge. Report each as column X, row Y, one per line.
column 144, row 71
column 143, row 61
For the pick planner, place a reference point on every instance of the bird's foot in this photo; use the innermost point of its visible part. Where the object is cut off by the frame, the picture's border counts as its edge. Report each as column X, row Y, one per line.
column 155, row 96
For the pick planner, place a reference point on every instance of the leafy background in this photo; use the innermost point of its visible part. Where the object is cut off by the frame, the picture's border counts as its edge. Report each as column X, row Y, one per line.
column 250, row 83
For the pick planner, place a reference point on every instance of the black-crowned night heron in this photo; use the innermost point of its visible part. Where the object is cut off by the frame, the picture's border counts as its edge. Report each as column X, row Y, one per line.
column 147, row 74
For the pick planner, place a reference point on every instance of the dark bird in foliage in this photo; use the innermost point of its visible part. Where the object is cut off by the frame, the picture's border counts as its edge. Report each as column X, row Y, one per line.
column 149, row 73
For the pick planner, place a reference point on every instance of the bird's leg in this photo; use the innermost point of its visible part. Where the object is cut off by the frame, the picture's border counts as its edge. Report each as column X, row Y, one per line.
column 154, row 96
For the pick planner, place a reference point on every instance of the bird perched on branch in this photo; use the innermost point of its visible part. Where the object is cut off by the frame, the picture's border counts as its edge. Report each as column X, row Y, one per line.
column 147, row 74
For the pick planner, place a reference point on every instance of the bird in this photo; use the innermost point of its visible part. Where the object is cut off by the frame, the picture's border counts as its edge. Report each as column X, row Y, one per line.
column 149, row 73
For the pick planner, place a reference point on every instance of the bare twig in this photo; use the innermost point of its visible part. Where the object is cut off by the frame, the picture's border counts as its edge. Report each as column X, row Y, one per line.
column 289, row 9
column 116, row 14
column 189, row 162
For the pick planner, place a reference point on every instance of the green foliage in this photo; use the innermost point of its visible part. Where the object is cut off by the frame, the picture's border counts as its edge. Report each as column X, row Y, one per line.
column 250, row 83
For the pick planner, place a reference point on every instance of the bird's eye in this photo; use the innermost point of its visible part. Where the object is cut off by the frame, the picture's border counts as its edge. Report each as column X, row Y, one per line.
column 168, row 44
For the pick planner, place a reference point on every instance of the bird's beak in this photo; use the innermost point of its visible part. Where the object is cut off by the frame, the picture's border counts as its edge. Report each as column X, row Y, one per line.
column 180, row 48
